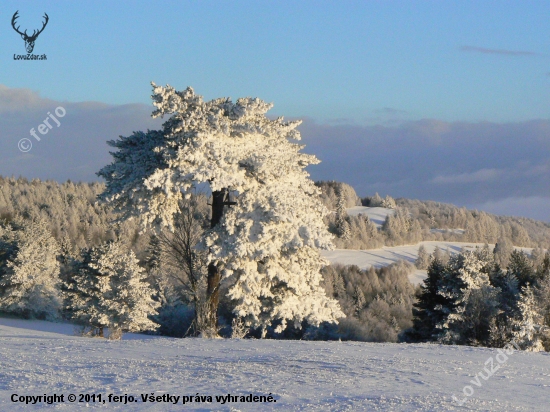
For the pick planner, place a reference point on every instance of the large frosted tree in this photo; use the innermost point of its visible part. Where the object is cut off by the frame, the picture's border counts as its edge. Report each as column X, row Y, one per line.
column 265, row 241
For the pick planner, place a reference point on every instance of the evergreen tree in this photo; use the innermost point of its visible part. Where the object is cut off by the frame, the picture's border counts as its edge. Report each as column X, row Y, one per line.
column 521, row 267
column 423, row 260
column 474, row 300
column 501, row 324
column 29, row 269
column 543, row 269
column 431, row 307
column 338, row 286
column 442, row 256
column 109, row 291
column 359, row 299
column 342, row 225
column 389, row 203
column 376, row 201
column 528, row 328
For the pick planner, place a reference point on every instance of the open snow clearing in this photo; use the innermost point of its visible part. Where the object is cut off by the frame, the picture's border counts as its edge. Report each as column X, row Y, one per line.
column 40, row 358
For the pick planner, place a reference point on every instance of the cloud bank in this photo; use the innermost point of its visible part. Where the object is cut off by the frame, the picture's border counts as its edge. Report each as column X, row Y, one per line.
column 499, row 167
column 75, row 149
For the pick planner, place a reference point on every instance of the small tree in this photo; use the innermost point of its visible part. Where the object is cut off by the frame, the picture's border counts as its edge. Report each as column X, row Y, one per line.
column 184, row 265
column 503, row 249
column 29, row 270
column 522, row 268
column 376, row 201
column 466, row 284
column 423, row 260
column 359, row 299
column 529, row 327
column 431, row 308
column 109, row 291
column 342, row 224
column 389, row 202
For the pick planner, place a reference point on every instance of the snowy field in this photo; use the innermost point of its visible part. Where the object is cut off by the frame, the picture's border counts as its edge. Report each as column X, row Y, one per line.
column 38, row 358
column 385, row 256
column 377, row 215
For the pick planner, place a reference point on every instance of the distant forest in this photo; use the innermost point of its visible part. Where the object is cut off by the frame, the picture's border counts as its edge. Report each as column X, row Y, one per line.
column 416, row 220
column 73, row 213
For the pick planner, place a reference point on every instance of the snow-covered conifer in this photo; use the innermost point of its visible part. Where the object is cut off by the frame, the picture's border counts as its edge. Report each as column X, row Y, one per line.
column 109, row 291
column 521, row 266
column 474, row 300
column 442, row 256
column 376, row 201
column 359, row 299
column 389, row 202
column 266, row 243
column 431, row 308
column 529, row 327
column 503, row 249
column 29, row 270
column 342, row 225
column 423, row 260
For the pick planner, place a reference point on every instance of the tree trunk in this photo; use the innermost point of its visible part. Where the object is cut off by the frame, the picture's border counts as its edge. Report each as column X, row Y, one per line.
column 214, row 276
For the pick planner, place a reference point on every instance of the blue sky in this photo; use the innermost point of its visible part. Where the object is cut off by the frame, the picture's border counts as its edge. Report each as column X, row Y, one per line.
column 439, row 100
column 362, row 61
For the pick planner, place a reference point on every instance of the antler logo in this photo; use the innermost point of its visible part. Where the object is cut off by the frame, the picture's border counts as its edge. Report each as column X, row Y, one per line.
column 29, row 40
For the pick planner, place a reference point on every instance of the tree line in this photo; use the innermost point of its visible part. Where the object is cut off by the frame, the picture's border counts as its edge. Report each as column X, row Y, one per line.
column 413, row 221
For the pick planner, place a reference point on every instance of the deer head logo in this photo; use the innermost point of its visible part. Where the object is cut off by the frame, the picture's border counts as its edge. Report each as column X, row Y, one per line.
column 29, row 40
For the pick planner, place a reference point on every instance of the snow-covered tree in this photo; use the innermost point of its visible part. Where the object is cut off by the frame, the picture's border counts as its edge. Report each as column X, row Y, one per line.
column 466, row 284
column 359, row 299
column 29, row 270
column 442, row 256
column 529, row 327
column 376, row 201
column 389, row 202
column 522, row 268
column 423, row 260
column 182, row 264
column 342, row 225
column 109, row 291
column 431, row 307
column 266, row 240
column 503, row 249
column 509, row 293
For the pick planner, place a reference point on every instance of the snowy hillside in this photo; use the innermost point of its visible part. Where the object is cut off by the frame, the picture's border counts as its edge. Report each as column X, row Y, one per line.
column 38, row 358
column 388, row 255
column 377, row 215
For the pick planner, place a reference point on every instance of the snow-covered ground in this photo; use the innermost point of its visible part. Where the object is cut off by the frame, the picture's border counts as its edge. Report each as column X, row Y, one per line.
column 377, row 215
column 388, row 255
column 38, row 358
